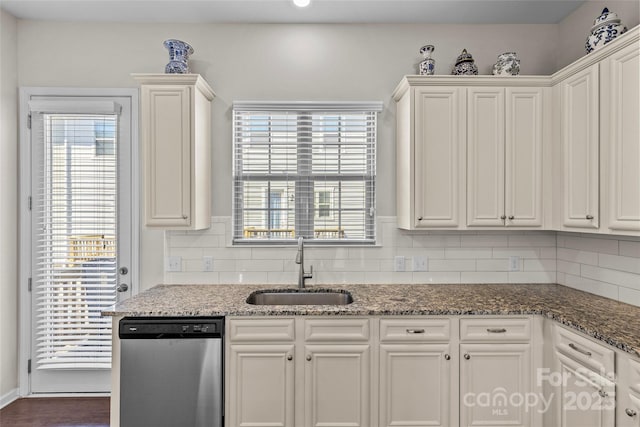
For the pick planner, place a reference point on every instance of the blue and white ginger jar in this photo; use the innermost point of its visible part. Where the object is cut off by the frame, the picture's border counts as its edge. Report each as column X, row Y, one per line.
column 179, row 52
column 507, row 65
column 428, row 66
column 465, row 65
column 606, row 27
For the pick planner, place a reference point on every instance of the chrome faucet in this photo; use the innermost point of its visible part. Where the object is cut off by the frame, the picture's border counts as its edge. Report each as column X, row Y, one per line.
column 300, row 260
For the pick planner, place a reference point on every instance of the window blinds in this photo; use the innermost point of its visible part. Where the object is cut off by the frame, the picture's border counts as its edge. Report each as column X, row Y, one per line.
column 75, row 209
column 304, row 169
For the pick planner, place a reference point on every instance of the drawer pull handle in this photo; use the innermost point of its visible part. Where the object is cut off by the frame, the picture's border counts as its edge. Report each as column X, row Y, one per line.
column 496, row 330
column 415, row 331
column 630, row 412
column 579, row 350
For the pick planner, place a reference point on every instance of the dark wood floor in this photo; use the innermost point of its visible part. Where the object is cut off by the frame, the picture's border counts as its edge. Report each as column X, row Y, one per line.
column 56, row 412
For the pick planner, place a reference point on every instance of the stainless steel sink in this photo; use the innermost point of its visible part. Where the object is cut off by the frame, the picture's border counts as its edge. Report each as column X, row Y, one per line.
column 300, row 297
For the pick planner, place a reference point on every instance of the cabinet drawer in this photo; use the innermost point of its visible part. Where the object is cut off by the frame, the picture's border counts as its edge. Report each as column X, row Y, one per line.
column 269, row 329
column 503, row 329
column 591, row 354
column 393, row 330
column 319, row 330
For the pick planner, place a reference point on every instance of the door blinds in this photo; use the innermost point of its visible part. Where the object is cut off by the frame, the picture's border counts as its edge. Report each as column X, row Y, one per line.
column 75, row 212
column 304, row 169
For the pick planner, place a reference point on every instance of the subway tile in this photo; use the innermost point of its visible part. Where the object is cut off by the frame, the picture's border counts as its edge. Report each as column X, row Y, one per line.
column 314, row 252
column 615, row 262
column 200, row 240
column 581, row 257
column 437, row 241
column 454, row 253
column 196, row 278
column 218, row 228
column 224, row 265
column 435, row 277
column 228, row 253
column 532, row 276
column 592, row 244
column 429, row 253
column 496, row 264
column 629, row 296
column 275, row 253
column 568, row 267
column 561, row 278
column 338, row 277
column 186, row 253
column 484, row 277
column 548, row 253
column 282, row 278
column 451, row 265
column 629, row 248
column 539, row 265
column 592, row 286
column 615, row 277
column 530, row 239
column 372, row 253
column 259, row 265
column 484, row 241
column 346, row 265
column 387, row 277
column 239, row 277
column 521, row 252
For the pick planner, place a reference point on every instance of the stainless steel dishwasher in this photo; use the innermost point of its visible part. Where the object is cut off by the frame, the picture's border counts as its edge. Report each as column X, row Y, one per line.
column 171, row 372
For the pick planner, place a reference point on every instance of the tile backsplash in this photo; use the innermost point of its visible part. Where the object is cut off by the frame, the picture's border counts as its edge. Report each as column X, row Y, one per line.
column 603, row 265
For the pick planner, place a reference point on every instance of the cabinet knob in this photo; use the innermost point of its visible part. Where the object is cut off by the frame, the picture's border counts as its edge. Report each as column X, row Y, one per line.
column 122, row 287
column 511, row 217
column 184, row 216
column 630, row 412
column 308, row 357
column 467, row 356
column 289, row 357
column 603, row 393
column 589, row 216
column 447, row 357
column 503, row 217
column 419, row 218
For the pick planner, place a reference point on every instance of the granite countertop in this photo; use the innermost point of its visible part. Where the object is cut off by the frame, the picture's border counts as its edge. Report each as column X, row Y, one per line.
column 615, row 323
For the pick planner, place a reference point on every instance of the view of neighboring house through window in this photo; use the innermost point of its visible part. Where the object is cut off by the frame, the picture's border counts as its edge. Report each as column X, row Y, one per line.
column 304, row 170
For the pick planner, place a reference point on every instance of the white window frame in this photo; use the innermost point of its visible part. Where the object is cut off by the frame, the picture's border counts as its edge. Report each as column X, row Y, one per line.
column 302, row 221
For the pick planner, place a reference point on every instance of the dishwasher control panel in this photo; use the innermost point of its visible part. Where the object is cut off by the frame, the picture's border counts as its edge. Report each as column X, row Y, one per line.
column 172, row 327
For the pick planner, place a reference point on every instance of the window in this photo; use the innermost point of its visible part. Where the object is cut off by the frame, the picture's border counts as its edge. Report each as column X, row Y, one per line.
column 304, row 169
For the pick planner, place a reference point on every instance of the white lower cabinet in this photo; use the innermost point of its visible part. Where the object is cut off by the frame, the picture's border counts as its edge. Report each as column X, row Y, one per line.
column 628, row 393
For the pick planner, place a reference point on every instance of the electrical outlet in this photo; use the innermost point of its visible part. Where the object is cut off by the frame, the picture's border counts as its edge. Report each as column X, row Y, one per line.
column 514, row 263
column 207, row 263
column 399, row 263
column 419, row 263
column 174, row 263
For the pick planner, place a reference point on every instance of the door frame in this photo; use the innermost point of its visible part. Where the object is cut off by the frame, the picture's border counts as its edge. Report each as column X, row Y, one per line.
column 24, row 251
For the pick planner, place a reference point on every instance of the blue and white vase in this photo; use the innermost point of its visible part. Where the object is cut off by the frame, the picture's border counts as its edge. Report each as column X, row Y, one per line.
column 179, row 52
column 606, row 27
column 428, row 65
column 465, row 65
column 507, row 65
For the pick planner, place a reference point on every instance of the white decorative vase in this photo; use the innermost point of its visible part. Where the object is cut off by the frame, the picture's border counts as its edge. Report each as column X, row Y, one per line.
column 507, row 65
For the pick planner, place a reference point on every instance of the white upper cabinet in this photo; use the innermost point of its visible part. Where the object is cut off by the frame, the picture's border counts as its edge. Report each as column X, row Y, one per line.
column 579, row 138
column 620, row 139
column 430, row 155
column 176, row 141
column 504, row 156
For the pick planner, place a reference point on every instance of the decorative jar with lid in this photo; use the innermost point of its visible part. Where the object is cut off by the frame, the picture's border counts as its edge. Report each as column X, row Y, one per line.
column 465, row 65
column 606, row 27
column 507, row 65
column 428, row 65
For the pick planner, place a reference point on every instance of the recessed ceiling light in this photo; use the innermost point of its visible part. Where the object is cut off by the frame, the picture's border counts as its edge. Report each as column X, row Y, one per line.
column 301, row 3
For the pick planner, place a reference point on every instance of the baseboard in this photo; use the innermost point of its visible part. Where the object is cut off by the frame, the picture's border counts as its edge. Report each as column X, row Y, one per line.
column 8, row 398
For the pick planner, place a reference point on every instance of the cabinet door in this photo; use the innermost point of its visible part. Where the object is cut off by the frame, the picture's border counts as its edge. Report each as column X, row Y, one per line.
column 586, row 399
column 485, row 157
column 523, row 157
column 495, row 380
column 439, row 156
column 166, row 130
column 337, row 389
column 261, row 385
column 620, row 109
column 580, row 154
column 415, row 385
column 628, row 392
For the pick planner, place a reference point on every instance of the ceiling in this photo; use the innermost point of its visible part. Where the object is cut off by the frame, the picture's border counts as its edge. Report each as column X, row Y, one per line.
column 283, row 11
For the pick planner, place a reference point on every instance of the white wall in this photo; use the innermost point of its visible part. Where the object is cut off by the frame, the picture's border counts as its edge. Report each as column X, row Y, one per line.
column 574, row 29
column 270, row 62
column 8, row 208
